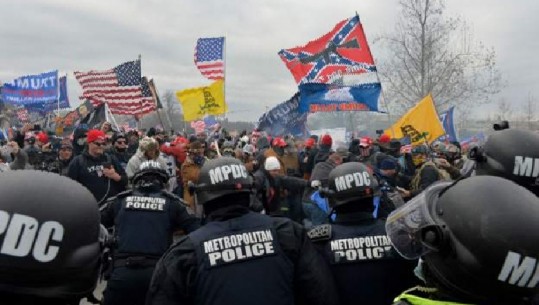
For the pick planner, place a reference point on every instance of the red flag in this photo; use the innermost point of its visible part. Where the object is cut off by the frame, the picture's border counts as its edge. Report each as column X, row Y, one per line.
column 344, row 50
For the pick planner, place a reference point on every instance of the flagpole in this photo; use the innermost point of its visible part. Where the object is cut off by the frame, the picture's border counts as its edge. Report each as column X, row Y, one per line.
column 382, row 91
column 111, row 116
column 58, row 93
column 224, row 74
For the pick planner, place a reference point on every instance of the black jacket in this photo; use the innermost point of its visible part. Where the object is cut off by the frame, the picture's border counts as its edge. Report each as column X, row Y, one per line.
column 144, row 222
column 270, row 191
column 177, row 276
column 366, row 268
column 88, row 171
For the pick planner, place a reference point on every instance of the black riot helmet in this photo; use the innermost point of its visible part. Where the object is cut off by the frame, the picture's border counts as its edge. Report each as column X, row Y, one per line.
column 512, row 154
column 221, row 177
column 477, row 237
column 350, row 182
column 51, row 240
column 150, row 176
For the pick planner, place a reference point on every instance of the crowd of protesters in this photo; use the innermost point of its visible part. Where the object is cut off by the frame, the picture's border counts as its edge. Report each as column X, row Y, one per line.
column 288, row 172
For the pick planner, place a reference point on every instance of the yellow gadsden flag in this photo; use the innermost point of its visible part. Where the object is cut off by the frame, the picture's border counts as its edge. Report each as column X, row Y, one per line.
column 201, row 101
column 420, row 120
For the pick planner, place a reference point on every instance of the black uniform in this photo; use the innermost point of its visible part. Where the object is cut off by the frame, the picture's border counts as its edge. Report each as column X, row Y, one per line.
column 366, row 268
column 240, row 257
column 143, row 225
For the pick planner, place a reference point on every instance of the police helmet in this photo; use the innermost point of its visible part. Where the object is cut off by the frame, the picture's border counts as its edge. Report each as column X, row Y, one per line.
column 220, row 177
column 350, row 182
column 150, row 173
column 51, row 240
column 512, row 154
column 477, row 237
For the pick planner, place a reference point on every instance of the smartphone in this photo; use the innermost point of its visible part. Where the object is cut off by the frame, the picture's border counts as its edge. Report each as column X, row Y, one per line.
column 107, row 165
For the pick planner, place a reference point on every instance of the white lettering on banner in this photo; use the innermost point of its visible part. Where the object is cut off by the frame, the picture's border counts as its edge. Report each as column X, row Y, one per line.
column 526, row 166
column 516, row 273
column 345, row 182
column 222, row 173
column 21, row 233
column 238, row 247
column 360, row 248
column 145, row 203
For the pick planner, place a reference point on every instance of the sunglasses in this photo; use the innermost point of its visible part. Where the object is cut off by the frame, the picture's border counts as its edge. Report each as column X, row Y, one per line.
column 99, row 143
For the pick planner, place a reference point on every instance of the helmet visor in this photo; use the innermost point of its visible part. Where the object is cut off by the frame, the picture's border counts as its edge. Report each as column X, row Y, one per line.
column 404, row 226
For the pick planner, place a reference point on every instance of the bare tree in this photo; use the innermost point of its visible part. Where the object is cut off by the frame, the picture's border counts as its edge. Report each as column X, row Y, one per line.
column 529, row 110
column 505, row 110
column 430, row 53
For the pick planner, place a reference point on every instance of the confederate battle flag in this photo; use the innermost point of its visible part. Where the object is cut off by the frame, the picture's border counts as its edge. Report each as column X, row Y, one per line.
column 343, row 51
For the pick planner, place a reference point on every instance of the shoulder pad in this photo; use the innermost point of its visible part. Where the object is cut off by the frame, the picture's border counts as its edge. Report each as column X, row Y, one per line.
column 122, row 194
column 320, row 233
column 172, row 196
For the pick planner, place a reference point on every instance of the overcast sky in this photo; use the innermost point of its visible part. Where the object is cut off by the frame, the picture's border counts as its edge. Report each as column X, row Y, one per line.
column 39, row 36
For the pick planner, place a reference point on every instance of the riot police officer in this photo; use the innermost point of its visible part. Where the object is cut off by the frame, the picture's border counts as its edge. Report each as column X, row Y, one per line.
column 238, row 256
column 478, row 241
column 367, row 270
column 144, row 220
column 512, row 154
column 50, row 239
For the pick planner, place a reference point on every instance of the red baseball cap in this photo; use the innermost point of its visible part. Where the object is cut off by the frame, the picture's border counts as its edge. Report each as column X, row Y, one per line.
column 42, row 137
column 94, row 135
column 384, row 138
column 279, row 142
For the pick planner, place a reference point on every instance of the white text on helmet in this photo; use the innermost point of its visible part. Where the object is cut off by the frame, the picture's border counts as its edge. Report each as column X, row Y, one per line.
column 21, row 232
column 222, row 173
column 522, row 274
column 526, row 166
column 345, row 182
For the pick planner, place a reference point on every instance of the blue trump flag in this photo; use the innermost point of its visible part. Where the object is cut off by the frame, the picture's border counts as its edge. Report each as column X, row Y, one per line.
column 447, row 121
column 34, row 91
column 284, row 119
column 64, row 99
column 318, row 97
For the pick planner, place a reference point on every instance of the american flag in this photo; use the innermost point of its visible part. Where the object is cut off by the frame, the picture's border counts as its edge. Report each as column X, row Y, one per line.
column 406, row 149
column 209, row 57
column 119, row 87
column 22, row 115
column 147, row 97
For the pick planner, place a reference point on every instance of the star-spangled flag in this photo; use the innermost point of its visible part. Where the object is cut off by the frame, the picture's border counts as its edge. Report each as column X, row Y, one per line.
column 119, row 87
column 341, row 52
column 147, row 96
column 209, row 57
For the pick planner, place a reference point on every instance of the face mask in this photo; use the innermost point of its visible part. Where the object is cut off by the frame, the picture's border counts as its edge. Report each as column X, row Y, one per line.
column 81, row 141
column 279, row 150
column 418, row 159
column 418, row 271
column 198, row 160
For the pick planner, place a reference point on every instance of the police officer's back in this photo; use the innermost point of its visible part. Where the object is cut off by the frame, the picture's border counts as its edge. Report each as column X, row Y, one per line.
column 366, row 268
column 477, row 239
column 144, row 220
column 50, row 239
column 238, row 256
